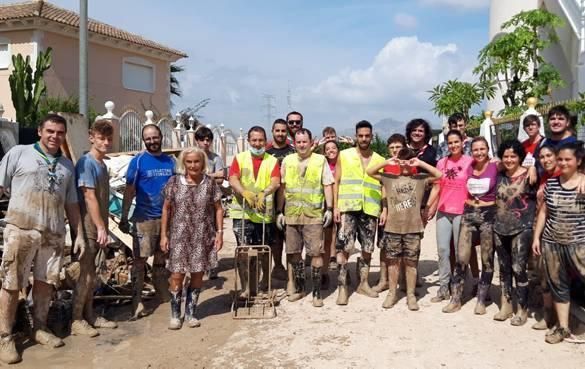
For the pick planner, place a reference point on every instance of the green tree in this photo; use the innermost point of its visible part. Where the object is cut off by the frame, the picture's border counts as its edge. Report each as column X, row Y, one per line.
column 175, row 87
column 63, row 105
column 513, row 60
column 27, row 87
column 379, row 146
column 456, row 96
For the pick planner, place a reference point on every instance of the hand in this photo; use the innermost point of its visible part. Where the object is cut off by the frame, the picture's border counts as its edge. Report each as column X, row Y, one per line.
column 383, row 217
column 327, row 218
column 536, row 246
column 430, row 212
column 532, row 175
column 249, row 197
column 336, row 215
column 102, row 237
column 218, row 241
column 79, row 246
column 260, row 201
column 124, row 226
column 164, row 244
column 280, row 221
column 391, row 161
column 414, row 162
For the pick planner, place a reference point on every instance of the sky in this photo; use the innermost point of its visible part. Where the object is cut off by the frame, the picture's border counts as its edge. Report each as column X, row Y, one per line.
column 339, row 61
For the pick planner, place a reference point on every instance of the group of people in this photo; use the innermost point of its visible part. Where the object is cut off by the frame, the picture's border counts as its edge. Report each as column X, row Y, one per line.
column 295, row 199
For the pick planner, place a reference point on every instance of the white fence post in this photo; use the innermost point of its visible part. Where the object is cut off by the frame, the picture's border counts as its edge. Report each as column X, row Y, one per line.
column 177, row 132
column 149, row 115
column 488, row 131
column 191, row 133
column 531, row 102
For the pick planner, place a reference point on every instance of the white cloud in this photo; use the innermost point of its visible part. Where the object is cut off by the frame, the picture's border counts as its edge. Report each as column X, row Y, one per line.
column 405, row 20
column 463, row 4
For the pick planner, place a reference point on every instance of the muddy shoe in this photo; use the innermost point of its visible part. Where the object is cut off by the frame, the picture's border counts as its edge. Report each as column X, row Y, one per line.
column 47, row 339
column 342, row 295
column 541, row 325
column 548, row 321
column 175, row 324
column 506, row 310
column 390, row 300
column 192, row 322
column 278, row 272
column 82, row 328
column 412, row 303
column 332, row 264
column 558, row 335
column 101, row 322
column 442, row 295
column 140, row 312
column 317, row 302
column 364, row 287
column 8, row 353
column 520, row 318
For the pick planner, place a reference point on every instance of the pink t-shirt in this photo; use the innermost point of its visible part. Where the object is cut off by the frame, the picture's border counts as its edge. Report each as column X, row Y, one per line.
column 453, row 183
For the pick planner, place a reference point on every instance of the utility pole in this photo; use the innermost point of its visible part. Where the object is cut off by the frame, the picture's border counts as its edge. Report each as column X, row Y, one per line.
column 269, row 105
column 83, row 58
column 289, row 97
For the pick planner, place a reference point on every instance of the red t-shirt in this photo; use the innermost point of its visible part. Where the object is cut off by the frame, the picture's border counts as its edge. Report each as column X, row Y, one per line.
column 530, row 147
column 395, row 169
column 256, row 162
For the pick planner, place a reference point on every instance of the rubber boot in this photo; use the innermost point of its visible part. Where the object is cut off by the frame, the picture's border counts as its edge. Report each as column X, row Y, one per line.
column 364, row 287
column 342, row 292
column 8, row 353
column 383, row 282
column 548, row 320
column 506, row 309
column 290, row 282
column 299, row 277
column 390, row 299
column 176, row 297
column 160, row 281
column 455, row 302
column 244, row 274
column 410, row 288
column 138, row 310
column 520, row 317
column 191, row 307
column 317, row 277
column 482, row 293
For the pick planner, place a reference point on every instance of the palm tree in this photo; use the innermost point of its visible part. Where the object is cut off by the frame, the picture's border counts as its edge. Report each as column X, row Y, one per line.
column 174, row 85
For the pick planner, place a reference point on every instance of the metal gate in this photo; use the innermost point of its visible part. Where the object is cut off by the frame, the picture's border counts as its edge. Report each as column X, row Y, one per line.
column 166, row 126
column 130, row 131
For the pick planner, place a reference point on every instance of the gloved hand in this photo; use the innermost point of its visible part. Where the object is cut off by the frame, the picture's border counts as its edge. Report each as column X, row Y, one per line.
column 280, row 221
column 260, row 201
column 79, row 246
column 124, row 226
column 327, row 218
column 249, row 197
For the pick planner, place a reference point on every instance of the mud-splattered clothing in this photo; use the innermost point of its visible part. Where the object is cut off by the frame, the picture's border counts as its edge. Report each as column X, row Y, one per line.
column 513, row 252
column 565, row 220
column 516, row 203
column 356, row 225
column 404, row 194
column 397, row 246
column 40, row 185
column 92, row 174
column 308, row 235
column 563, row 264
column 191, row 224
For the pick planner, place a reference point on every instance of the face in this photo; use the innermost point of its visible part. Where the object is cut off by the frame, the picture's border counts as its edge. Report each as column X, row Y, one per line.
column 204, row 144
column 454, row 144
column 303, row 144
column 257, row 140
column 394, row 148
column 193, row 164
column 364, row 138
column 532, row 129
column 460, row 126
column 152, row 140
column 511, row 160
column 548, row 160
column 558, row 123
column 567, row 162
column 479, row 151
column 331, row 151
column 52, row 135
column 330, row 136
column 279, row 133
column 418, row 134
column 101, row 143
column 295, row 122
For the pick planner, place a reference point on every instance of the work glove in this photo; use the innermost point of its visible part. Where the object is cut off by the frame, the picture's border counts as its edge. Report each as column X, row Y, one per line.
column 249, row 197
column 260, row 201
column 280, row 221
column 124, row 226
column 327, row 218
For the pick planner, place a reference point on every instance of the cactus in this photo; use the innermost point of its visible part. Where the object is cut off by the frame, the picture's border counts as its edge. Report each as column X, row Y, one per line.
column 28, row 87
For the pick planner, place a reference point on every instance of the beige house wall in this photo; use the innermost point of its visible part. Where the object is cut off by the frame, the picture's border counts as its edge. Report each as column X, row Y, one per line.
column 105, row 65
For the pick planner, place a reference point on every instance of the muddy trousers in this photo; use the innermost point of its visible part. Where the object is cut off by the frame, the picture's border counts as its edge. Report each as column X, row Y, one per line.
column 513, row 252
column 84, row 288
column 476, row 220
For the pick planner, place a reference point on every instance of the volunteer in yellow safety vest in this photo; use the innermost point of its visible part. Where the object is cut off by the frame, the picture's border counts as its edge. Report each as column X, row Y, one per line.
column 254, row 177
column 306, row 184
column 357, row 205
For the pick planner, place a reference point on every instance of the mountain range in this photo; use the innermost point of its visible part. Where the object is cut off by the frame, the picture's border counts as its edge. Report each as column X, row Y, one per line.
column 384, row 128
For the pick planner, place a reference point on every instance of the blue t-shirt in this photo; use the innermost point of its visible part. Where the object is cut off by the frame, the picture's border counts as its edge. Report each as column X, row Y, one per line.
column 149, row 175
column 549, row 142
column 93, row 174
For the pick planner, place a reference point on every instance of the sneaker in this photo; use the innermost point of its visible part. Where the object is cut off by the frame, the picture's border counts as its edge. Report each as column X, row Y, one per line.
column 332, row 264
column 175, row 324
column 442, row 295
column 557, row 336
column 8, row 353
column 47, row 339
column 101, row 322
column 82, row 328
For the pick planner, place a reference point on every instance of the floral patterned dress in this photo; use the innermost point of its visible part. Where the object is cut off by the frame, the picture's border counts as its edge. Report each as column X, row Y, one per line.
column 191, row 224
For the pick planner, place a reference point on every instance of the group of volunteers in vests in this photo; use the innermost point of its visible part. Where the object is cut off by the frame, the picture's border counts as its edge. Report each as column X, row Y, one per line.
column 296, row 194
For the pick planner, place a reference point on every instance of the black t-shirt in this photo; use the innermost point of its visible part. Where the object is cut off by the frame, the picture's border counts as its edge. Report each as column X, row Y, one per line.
column 281, row 152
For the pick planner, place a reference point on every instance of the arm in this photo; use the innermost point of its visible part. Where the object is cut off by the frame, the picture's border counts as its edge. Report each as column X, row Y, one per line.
column 164, row 226
column 328, row 196
column 93, row 209
column 336, row 213
column 384, row 213
column 73, row 215
column 538, row 228
column 129, row 194
column 280, row 198
column 218, row 226
column 433, row 201
column 434, row 172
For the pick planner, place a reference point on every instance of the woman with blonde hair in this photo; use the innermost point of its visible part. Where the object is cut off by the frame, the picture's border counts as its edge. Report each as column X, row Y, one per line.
column 192, row 208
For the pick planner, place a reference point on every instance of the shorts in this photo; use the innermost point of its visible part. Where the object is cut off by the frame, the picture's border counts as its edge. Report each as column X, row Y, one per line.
column 146, row 238
column 356, row 224
column 563, row 265
column 253, row 233
column 24, row 248
column 311, row 235
column 398, row 246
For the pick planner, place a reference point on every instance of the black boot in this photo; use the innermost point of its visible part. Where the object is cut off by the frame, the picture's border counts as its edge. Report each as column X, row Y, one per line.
column 191, row 307
column 317, row 277
column 299, row 277
column 176, row 297
column 482, row 294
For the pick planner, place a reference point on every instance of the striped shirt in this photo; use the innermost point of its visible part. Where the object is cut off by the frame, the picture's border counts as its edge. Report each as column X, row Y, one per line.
column 565, row 220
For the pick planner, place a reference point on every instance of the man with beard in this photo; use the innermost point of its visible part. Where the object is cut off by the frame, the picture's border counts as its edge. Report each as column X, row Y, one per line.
column 559, row 121
column 294, row 120
column 357, row 206
column 279, row 148
column 147, row 175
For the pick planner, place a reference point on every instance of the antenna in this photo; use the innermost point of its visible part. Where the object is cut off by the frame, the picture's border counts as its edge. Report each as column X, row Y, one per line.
column 269, row 106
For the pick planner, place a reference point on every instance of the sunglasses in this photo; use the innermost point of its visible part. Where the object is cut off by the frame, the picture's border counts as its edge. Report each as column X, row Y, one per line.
column 295, row 122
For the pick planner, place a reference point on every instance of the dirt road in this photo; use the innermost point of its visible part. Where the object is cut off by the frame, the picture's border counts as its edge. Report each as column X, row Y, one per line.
column 360, row 335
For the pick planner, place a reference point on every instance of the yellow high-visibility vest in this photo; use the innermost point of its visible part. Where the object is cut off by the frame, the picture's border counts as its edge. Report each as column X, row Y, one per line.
column 255, row 185
column 357, row 190
column 304, row 195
